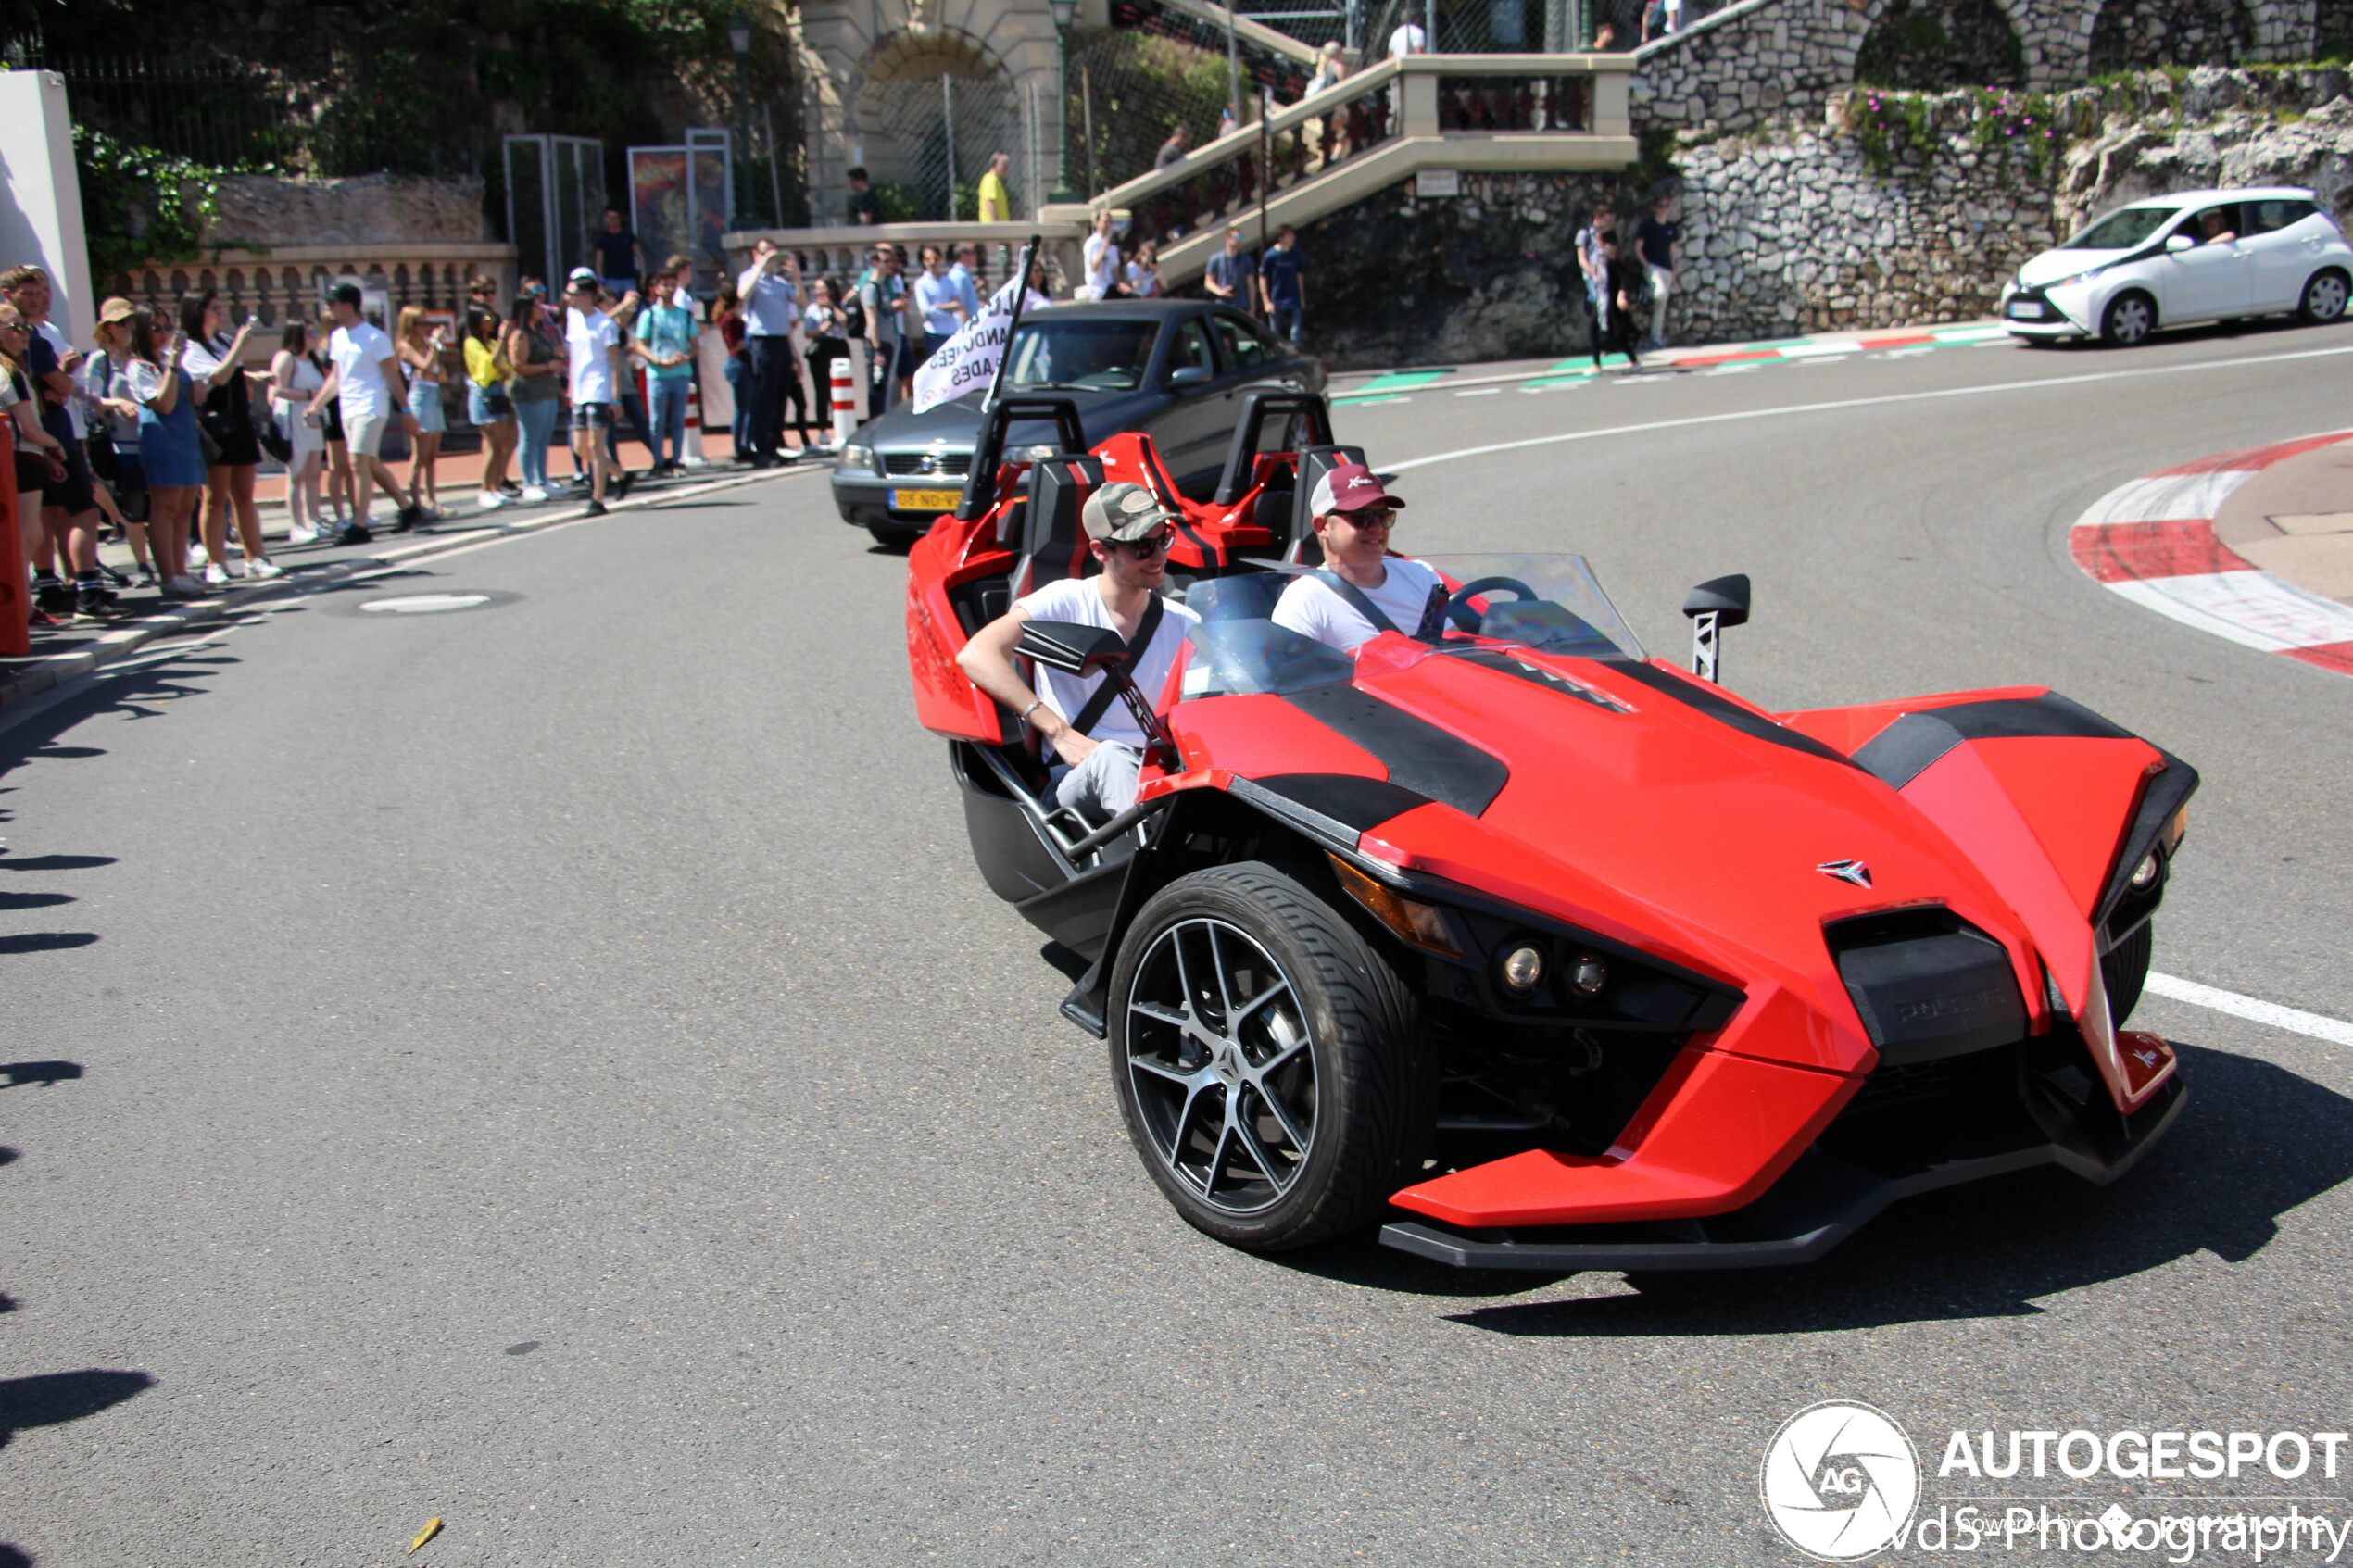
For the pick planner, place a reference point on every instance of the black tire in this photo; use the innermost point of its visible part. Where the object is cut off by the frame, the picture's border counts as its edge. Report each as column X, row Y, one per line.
column 2129, row 320
column 2125, row 970
column 892, row 538
column 2325, row 296
column 1326, row 1126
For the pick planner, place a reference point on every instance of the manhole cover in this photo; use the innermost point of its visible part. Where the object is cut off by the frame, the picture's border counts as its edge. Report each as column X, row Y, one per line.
column 425, row 604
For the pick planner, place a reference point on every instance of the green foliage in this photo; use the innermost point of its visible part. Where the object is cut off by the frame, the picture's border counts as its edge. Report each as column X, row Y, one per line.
column 175, row 194
column 1899, row 129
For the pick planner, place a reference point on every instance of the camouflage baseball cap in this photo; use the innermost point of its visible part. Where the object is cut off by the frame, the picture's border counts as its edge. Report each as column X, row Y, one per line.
column 1124, row 512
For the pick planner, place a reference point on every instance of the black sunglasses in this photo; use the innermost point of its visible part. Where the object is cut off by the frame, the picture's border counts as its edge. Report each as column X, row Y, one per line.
column 1140, row 548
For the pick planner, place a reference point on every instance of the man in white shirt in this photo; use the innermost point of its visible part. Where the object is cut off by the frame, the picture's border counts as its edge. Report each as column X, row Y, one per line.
column 1409, row 39
column 937, row 298
column 1098, row 744
column 1363, row 590
column 593, row 341
column 370, row 392
column 1101, row 255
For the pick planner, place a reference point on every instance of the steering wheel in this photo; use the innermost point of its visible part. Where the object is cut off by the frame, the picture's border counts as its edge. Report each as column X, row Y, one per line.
column 1458, row 609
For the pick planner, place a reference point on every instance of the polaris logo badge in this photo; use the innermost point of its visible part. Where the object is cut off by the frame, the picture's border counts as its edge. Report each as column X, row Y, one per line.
column 1847, row 870
column 1948, row 1006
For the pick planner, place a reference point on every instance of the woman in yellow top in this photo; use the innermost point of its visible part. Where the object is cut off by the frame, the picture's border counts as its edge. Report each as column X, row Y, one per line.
column 487, row 373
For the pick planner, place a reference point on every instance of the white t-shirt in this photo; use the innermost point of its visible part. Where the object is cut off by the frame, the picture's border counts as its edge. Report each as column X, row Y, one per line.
column 590, row 335
column 1079, row 599
column 1408, row 39
column 1102, row 263
column 1309, row 607
column 358, row 353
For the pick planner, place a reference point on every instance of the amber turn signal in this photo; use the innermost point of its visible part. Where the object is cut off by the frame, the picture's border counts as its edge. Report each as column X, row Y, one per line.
column 1413, row 921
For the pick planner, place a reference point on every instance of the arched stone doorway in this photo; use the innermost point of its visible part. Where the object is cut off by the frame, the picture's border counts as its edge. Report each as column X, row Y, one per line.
column 930, row 109
column 1933, row 45
column 2136, row 34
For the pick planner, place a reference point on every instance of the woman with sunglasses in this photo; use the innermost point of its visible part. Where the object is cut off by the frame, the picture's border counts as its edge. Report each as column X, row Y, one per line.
column 217, row 361
column 295, row 378
column 41, row 460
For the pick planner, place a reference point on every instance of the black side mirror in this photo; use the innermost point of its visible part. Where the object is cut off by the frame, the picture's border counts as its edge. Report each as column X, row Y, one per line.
column 1719, row 603
column 1068, row 646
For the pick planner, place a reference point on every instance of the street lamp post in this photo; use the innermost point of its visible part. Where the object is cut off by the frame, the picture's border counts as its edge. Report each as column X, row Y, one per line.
column 739, row 40
column 1065, row 13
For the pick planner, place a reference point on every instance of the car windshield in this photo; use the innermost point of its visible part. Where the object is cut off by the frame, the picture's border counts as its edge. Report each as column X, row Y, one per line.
column 2122, row 230
column 1084, row 353
column 1552, row 604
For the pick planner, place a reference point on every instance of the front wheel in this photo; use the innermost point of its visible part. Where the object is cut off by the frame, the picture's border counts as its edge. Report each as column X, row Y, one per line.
column 2325, row 298
column 2129, row 317
column 1266, row 1059
column 2124, row 969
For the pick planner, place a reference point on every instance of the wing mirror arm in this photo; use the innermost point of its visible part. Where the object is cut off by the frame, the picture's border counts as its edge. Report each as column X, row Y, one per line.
column 1714, row 606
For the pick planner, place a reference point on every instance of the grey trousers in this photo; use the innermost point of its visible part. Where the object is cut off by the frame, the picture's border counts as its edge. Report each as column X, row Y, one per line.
column 1100, row 787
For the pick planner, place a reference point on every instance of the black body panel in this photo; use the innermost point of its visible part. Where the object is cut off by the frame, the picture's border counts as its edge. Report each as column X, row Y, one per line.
column 1418, row 754
column 1927, row 985
column 1906, row 748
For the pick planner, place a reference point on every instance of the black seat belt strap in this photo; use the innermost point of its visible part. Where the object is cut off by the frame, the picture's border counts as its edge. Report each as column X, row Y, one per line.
column 1097, row 705
column 1431, row 627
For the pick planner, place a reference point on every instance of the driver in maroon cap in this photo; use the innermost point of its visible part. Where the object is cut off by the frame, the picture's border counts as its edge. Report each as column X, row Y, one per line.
column 1362, row 590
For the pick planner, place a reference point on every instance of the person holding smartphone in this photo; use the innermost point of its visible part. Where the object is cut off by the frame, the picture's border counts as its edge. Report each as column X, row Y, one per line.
column 421, row 352
column 770, row 289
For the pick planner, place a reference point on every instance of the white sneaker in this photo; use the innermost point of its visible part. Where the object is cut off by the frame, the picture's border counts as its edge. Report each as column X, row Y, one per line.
column 214, row 573
column 264, row 567
column 490, row 500
column 298, row 534
column 531, row 492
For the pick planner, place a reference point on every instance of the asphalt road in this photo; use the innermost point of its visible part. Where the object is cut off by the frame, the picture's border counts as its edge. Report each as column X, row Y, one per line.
column 550, row 1065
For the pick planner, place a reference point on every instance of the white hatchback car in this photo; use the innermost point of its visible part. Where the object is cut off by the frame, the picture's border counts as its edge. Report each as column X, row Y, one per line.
column 2201, row 255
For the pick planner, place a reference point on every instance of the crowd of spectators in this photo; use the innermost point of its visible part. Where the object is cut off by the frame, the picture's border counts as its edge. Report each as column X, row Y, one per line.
column 154, row 434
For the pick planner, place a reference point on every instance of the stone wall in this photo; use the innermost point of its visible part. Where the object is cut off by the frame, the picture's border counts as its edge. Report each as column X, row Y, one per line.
column 261, row 212
column 1793, row 229
column 1752, row 62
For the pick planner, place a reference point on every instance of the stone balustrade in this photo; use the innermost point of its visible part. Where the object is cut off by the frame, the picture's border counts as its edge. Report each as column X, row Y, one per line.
column 283, row 282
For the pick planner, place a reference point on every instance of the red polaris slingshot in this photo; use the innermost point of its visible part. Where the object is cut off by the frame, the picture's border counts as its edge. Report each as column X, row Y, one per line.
column 1545, row 952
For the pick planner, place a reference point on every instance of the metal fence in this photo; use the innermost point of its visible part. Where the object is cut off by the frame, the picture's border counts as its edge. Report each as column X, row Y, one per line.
column 223, row 114
column 933, row 140
column 1150, row 71
column 1507, row 26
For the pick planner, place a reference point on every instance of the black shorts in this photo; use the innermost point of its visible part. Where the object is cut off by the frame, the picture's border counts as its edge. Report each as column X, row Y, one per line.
column 592, row 416
column 73, row 492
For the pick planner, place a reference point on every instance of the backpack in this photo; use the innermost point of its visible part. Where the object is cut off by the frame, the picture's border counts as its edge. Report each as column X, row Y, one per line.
column 853, row 316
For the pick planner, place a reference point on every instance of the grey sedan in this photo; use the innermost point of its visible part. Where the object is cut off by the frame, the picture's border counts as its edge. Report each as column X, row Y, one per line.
column 1174, row 369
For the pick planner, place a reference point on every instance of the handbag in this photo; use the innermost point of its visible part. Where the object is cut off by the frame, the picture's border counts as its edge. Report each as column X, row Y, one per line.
column 273, row 440
column 100, row 448
column 500, row 406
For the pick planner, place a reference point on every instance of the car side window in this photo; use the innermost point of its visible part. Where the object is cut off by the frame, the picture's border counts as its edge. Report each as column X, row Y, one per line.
column 2216, row 224
column 1245, row 350
column 1192, row 348
column 2268, row 216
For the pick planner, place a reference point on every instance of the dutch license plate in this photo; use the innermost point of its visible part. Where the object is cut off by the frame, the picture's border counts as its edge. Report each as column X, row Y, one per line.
column 2026, row 312
column 925, row 500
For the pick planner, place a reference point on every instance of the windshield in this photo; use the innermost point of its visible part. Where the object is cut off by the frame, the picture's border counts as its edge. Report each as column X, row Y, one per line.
column 1550, row 603
column 2123, row 231
column 1094, row 355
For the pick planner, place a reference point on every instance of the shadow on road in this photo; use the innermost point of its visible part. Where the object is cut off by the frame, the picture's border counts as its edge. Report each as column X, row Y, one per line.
column 2255, row 1142
column 44, row 1073
column 59, row 1396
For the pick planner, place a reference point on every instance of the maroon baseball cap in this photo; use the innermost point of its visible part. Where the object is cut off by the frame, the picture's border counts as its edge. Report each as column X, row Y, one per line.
column 1351, row 487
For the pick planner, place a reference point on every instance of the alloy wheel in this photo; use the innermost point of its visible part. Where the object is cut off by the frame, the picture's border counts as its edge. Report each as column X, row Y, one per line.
column 1221, row 1064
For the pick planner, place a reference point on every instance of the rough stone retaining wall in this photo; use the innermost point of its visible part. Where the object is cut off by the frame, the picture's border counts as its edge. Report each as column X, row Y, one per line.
column 371, row 209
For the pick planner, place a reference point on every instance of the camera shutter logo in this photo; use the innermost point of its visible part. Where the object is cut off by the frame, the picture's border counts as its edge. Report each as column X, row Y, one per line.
column 1840, row 1481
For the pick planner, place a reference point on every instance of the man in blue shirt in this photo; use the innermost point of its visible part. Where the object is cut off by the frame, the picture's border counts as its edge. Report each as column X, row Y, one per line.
column 963, row 275
column 771, row 301
column 1279, row 284
column 665, row 340
column 938, row 299
column 1233, row 274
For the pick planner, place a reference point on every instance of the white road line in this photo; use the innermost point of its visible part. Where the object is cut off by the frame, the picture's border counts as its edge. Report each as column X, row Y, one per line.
column 1836, row 404
column 1481, row 392
column 2293, row 1020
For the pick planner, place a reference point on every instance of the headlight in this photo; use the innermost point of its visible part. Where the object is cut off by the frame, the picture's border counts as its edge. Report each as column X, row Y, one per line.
column 2083, row 277
column 857, row 457
column 1042, row 451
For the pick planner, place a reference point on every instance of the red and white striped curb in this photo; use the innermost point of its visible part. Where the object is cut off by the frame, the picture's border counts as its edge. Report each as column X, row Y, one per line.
column 2152, row 542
